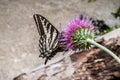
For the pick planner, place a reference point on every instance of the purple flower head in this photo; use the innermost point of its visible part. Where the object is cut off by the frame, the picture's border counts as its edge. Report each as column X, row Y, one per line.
column 73, row 32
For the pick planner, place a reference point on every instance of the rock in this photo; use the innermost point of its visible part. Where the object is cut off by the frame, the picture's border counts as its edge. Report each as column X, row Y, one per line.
column 19, row 38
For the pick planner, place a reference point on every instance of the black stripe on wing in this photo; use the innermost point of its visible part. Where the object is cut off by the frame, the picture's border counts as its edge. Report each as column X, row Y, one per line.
column 39, row 24
column 46, row 28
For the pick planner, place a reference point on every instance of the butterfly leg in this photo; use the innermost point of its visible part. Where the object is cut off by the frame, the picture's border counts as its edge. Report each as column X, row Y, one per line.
column 46, row 60
column 41, row 56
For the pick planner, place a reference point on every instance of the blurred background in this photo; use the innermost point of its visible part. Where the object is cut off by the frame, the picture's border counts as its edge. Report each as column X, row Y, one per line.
column 19, row 38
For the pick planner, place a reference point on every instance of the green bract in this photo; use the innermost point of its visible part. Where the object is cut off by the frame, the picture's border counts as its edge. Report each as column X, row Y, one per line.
column 80, row 37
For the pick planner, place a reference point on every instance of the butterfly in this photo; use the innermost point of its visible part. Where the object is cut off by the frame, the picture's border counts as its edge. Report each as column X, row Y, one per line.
column 49, row 37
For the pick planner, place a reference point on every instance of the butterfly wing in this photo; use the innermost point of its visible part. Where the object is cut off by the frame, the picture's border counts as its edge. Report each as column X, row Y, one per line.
column 49, row 36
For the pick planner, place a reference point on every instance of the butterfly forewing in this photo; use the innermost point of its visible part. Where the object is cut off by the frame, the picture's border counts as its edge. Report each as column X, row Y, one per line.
column 49, row 35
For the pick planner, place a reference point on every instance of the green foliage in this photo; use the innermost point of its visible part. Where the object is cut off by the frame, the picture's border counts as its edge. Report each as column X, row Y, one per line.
column 107, row 30
column 116, row 14
column 110, row 29
column 90, row 1
column 118, row 26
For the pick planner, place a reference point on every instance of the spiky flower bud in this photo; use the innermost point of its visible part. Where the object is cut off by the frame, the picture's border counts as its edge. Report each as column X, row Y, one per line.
column 77, row 32
column 80, row 37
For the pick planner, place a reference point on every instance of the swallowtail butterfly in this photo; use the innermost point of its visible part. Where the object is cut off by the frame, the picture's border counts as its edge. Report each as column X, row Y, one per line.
column 49, row 37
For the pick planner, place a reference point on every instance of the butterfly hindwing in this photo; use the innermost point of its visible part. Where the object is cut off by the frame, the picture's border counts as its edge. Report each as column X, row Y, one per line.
column 49, row 36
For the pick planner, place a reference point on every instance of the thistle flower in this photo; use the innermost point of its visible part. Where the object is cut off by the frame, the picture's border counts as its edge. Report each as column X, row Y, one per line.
column 77, row 32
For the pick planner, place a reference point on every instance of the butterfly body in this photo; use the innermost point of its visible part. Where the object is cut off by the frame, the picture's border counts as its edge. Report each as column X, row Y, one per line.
column 49, row 37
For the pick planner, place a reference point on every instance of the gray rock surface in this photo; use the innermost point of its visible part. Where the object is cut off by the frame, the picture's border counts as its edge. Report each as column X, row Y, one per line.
column 77, row 66
column 19, row 48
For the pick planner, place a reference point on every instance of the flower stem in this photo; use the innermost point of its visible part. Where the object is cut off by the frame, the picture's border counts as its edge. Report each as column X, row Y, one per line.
column 105, row 49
